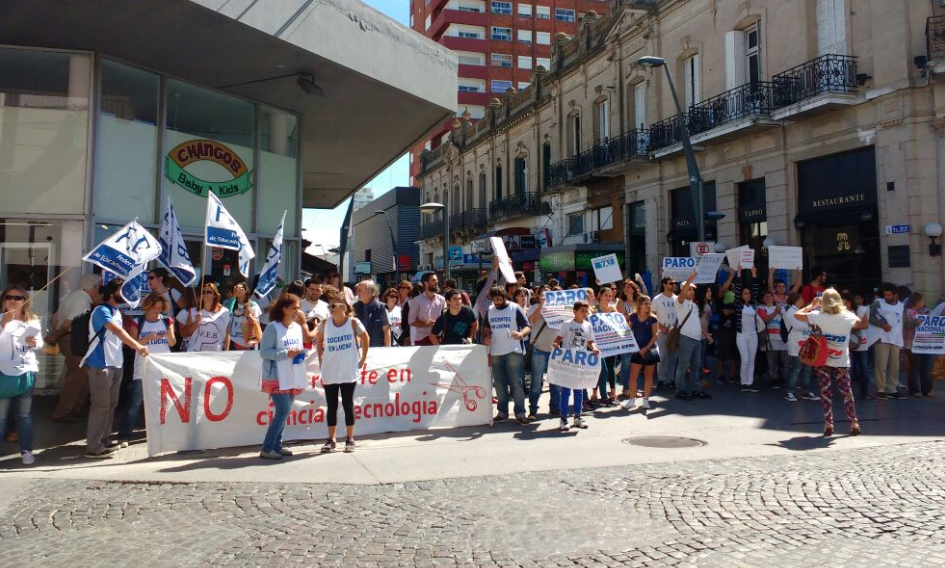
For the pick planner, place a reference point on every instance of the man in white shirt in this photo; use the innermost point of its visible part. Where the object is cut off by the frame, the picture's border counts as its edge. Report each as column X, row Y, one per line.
column 664, row 308
column 75, row 384
column 312, row 304
column 508, row 327
column 689, row 351
column 886, row 313
column 425, row 309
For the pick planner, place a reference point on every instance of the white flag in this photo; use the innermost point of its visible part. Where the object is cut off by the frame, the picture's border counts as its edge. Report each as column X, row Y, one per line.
column 174, row 255
column 270, row 270
column 126, row 252
column 223, row 231
column 131, row 289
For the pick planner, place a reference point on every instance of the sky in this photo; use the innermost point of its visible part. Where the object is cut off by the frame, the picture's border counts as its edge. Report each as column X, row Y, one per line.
column 322, row 226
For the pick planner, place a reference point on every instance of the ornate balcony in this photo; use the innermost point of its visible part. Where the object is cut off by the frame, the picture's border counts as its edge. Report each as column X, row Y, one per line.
column 514, row 205
column 604, row 160
column 821, row 84
column 935, row 38
column 431, row 229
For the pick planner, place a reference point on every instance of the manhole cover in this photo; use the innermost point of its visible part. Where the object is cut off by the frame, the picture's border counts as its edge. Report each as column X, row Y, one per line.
column 668, row 442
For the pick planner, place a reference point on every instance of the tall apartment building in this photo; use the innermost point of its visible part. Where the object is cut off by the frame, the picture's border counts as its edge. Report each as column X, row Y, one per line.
column 499, row 44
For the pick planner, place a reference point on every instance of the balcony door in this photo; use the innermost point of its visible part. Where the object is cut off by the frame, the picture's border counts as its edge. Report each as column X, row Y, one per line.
column 521, row 177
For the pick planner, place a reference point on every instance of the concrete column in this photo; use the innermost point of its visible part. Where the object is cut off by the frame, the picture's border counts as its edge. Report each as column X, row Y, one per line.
column 80, row 77
column 279, row 133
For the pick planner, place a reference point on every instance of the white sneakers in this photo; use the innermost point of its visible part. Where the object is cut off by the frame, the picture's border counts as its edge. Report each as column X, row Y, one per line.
column 564, row 425
column 28, row 458
column 646, row 403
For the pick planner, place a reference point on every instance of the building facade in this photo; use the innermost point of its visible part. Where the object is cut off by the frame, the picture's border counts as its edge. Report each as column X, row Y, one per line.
column 499, row 44
column 816, row 123
column 387, row 229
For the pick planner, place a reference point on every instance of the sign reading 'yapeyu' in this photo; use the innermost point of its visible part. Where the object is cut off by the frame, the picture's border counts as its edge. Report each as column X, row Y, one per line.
column 187, row 153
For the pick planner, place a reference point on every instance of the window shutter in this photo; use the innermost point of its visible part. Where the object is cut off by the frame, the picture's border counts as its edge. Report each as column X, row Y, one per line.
column 831, row 27
column 688, row 83
column 839, row 28
column 639, row 105
column 731, row 60
column 696, row 79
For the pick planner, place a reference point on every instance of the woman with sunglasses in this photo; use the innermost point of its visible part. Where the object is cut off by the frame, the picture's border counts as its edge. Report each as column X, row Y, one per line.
column 21, row 336
column 245, row 331
column 341, row 365
column 209, row 327
column 394, row 316
column 161, row 281
column 282, row 373
column 627, row 295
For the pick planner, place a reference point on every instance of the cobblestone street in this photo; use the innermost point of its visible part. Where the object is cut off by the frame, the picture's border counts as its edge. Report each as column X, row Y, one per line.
column 881, row 506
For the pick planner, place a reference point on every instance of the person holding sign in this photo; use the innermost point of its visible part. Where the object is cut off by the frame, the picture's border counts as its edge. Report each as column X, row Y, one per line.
column 646, row 330
column 664, row 308
column 608, row 365
column 689, row 350
column 746, row 324
column 541, row 345
column 508, row 326
column 575, row 334
column 21, row 336
column 920, row 365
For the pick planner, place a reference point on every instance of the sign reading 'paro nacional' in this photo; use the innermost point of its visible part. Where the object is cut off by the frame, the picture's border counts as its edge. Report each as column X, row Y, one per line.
column 193, row 151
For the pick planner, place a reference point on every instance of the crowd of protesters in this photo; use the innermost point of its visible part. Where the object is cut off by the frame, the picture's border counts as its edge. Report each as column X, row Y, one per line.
column 733, row 323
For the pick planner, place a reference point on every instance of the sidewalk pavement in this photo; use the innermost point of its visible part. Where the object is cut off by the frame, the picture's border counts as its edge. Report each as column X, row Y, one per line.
column 730, row 425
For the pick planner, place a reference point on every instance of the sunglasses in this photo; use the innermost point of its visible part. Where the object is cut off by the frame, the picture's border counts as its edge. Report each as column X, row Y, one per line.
column 208, row 292
column 151, row 277
column 15, row 298
column 333, row 306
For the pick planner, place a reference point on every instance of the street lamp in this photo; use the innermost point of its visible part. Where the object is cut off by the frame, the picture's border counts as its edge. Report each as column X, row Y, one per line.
column 433, row 208
column 393, row 244
column 695, row 179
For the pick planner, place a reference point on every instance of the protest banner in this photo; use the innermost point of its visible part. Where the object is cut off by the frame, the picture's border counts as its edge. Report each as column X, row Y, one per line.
column 573, row 369
column 196, row 401
column 743, row 256
column 612, row 334
column 505, row 262
column 929, row 336
column 606, row 269
column 789, row 258
column 559, row 306
column 708, row 267
column 678, row 267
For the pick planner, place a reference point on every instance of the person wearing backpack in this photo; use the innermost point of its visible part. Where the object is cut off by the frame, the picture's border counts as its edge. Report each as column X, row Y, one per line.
column 155, row 331
column 75, row 384
column 103, row 362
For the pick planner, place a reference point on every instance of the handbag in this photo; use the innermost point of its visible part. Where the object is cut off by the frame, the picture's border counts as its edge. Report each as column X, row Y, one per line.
column 672, row 338
column 813, row 351
column 15, row 385
column 531, row 345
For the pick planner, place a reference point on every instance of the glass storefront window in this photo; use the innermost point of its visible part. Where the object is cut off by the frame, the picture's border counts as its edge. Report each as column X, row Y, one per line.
column 44, row 122
column 278, row 170
column 32, row 255
column 126, row 144
column 208, row 145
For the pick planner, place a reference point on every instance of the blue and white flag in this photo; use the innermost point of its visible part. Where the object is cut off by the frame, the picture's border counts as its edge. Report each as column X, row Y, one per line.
column 174, row 255
column 270, row 270
column 223, row 231
column 127, row 251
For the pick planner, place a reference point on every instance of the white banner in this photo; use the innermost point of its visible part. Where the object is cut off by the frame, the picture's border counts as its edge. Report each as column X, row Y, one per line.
column 197, row 401
column 606, row 269
column 174, row 255
column 126, row 252
column 678, row 267
column 505, row 262
column 708, row 267
column 270, row 270
column 573, row 369
column 559, row 306
column 789, row 258
column 929, row 336
column 223, row 231
column 612, row 334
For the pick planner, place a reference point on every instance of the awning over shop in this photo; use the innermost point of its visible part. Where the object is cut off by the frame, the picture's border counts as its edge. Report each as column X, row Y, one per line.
column 837, row 189
column 384, row 86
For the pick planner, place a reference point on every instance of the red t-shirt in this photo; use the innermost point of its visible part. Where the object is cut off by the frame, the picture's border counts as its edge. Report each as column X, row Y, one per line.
column 810, row 291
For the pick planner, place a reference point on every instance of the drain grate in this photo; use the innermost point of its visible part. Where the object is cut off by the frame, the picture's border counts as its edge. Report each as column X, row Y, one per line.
column 667, row 442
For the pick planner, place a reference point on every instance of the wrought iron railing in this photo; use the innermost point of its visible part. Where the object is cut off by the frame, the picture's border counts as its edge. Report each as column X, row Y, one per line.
column 431, row 229
column 935, row 37
column 515, row 204
column 826, row 74
column 474, row 219
column 627, row 145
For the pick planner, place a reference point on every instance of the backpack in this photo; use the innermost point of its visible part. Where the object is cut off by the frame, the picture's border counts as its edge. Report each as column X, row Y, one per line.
column 79, row 334
column 813, row 352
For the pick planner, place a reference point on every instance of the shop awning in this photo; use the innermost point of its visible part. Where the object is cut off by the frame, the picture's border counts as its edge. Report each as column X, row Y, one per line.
column 385, row 86
column 834, row 217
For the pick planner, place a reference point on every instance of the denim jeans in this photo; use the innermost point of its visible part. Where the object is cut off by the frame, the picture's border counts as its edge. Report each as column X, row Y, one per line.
column 666, row 368
column 539, row 368
column 625, row 370
column 920, row 377
column 688, row 357
column 129, row 414
column 860, row 372
column 23, row 414
column 800, row 371
column 282, row 405
column 608, row 367
column 506, row 370
column 578, row 401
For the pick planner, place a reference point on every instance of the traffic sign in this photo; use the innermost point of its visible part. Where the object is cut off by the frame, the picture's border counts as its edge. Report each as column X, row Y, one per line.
column 456, row 254
column 897, row 229
column 701, row 249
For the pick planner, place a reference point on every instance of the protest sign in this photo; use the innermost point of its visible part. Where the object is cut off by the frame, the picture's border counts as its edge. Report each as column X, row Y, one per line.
column 708, row 267
column 197, row 401
column 573, row 369
column 678, row 267
column 929, row 336
column 606, row 269
column 790, row 258
column 612, row 334
column 505, row 263
column 559, row 306
column 743, row 256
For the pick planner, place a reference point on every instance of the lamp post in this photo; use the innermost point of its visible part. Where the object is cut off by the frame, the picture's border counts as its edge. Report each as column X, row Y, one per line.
column 433, row 208
column 695, row 178
column 393, row 244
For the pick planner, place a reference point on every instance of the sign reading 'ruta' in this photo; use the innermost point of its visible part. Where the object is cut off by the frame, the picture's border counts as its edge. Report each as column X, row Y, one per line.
column 193, row 151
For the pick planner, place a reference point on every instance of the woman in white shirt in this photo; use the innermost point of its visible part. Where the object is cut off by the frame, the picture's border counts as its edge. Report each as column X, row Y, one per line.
column 775, row 349
column 209, row 328
column 244, row 317
column 394, row 315
column 798, row 332
column 21, row 336
column 836, row 323
column 156, row 331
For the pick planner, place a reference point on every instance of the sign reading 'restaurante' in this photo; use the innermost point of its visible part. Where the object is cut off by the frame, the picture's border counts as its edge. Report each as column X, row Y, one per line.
column 193, row 151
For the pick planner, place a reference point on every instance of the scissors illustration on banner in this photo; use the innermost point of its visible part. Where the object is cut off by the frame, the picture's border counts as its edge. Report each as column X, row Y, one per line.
column 459, row 385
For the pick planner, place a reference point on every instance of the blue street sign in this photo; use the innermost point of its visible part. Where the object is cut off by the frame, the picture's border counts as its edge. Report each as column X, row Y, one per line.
column 897, row 229
column 456, row 254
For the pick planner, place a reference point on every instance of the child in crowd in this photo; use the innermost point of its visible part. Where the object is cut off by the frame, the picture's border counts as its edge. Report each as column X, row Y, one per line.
column 575, row 334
